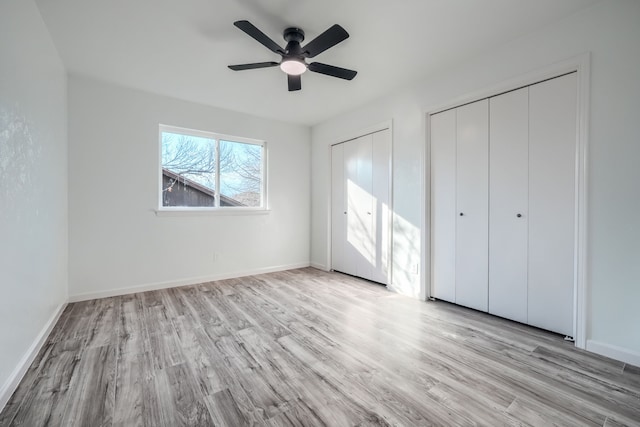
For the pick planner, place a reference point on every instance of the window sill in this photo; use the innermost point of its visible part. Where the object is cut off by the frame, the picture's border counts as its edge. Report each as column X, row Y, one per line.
column 210, row 212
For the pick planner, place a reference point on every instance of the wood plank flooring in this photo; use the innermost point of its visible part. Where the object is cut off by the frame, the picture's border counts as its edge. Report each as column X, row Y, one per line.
column 309, row 348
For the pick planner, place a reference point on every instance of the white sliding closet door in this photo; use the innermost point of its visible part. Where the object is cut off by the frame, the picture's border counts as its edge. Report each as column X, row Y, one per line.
column 552, row 178
column 443, row 205
column 472, row 202
column 508, row 204
column 360, row 212
column 503, row 204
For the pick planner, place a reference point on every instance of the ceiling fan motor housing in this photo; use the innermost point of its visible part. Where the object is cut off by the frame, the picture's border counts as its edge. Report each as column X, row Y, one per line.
column 293, row 36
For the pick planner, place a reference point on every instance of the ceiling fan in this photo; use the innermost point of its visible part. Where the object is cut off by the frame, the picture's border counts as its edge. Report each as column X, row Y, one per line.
column 293, row 55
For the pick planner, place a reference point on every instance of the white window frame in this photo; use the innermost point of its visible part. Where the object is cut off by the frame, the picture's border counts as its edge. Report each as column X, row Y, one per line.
column 207, row 210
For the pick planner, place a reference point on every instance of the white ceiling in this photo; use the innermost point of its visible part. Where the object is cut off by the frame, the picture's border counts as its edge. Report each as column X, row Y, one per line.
column 181, row 48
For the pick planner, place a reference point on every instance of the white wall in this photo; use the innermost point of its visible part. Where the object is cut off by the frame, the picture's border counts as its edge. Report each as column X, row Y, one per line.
column 610, row 30
column 117, row 242
column 33, row 185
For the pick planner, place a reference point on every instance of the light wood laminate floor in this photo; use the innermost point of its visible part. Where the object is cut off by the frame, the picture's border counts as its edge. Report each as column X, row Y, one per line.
column 309, row 348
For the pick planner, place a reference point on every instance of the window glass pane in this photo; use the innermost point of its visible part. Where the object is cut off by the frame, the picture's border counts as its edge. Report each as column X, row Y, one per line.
column 240, row 174
column 188, row 170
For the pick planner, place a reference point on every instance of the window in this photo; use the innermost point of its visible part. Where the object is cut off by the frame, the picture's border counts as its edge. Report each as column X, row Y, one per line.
column 207, row 170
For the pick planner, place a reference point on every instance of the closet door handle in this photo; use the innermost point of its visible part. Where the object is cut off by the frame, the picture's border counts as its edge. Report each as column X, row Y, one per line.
column 461, row 214
column 519, row 215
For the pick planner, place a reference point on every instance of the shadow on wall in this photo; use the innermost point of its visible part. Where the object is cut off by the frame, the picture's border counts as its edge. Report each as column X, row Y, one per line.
column 19, row 157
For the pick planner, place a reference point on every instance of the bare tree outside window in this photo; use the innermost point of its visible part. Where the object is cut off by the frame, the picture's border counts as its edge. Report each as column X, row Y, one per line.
column 190, row 169
column 190, row 157
column 242, row 181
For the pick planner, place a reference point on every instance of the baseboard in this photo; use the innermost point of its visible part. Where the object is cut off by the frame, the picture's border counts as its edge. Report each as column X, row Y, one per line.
column 183, row 282
column 18, row 373
column 319, row 266
column 614, row 352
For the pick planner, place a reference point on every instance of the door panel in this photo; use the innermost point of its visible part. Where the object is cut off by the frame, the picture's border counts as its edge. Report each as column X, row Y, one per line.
column 338, row 209
column 381, row 210
column 364, row 209
column 508, row 204
column 443, row 205
column 354, row 229
column 552, row 159
column 472, row 202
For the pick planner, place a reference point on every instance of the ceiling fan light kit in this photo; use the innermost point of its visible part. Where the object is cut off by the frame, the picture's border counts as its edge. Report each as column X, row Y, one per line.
column 294, row 55
column 293, row 67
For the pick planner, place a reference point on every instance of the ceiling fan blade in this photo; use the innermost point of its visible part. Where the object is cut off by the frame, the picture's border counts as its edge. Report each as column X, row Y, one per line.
column 324, row 41
column 333, row 71
column 261, row 37
column 241, row 67
column 295, row 82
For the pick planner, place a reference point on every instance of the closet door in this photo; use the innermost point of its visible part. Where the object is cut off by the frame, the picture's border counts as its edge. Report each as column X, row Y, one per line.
column 338, row 209
column 381, row 159
column 508, row 204
column 360, row 212
column 552, row 177
column 443, row 205
column 472, row 203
